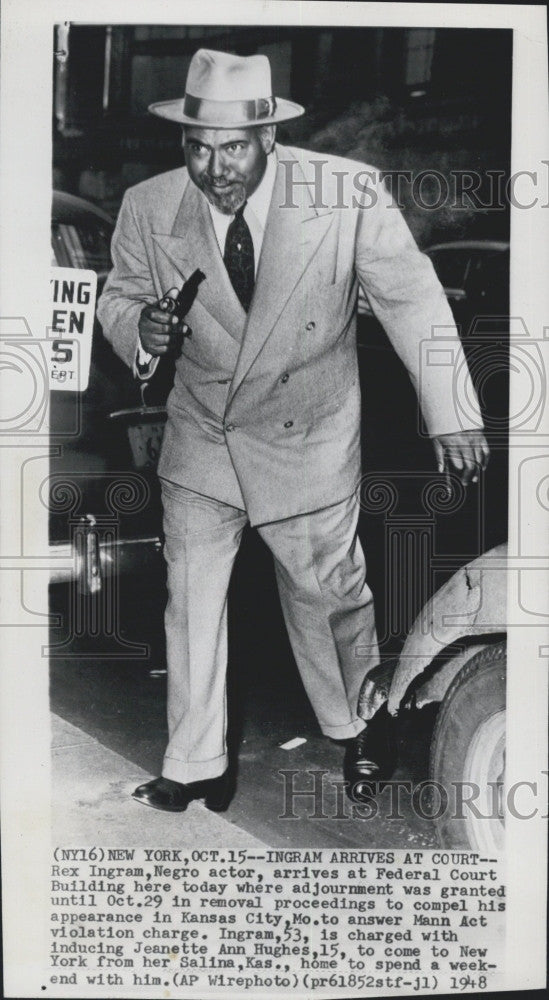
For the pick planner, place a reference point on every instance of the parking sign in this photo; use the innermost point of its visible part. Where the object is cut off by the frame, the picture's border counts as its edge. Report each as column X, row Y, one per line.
column 70, row 333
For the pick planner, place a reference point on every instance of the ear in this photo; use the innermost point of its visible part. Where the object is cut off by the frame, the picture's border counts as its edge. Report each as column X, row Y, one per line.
column 267, row 137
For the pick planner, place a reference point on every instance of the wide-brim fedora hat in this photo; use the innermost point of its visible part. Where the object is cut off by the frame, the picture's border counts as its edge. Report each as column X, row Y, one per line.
column 227, row 91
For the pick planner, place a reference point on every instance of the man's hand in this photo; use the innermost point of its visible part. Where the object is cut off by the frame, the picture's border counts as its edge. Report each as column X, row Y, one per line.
column 159, row 331
column 464, row 453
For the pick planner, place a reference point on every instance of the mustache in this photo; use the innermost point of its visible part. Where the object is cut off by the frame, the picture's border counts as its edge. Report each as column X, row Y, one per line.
column 226, row 197
column 221, row 182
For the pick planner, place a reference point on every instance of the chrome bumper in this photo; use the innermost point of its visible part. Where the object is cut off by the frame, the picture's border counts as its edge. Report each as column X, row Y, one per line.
column 95, row 553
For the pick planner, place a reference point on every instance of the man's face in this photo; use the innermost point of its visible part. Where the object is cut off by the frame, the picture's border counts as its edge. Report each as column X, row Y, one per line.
column 226, row 164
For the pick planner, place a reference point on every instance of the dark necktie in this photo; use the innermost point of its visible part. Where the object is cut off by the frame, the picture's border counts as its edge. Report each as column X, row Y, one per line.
column 239, row 258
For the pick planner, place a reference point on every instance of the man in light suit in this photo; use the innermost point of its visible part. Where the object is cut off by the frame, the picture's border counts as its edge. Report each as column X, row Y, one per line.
column 264, row 416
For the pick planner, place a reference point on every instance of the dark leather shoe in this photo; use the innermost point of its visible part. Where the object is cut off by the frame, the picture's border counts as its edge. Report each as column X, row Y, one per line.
column 370, row 757
column 165, row 794
column 174, row 796
column 219, row 792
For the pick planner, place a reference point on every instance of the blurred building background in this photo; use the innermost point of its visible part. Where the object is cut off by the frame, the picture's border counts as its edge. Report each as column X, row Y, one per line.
column 401, row 99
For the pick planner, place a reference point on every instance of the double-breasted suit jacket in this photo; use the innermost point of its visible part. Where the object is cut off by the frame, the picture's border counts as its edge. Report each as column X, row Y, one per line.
column 265, row 409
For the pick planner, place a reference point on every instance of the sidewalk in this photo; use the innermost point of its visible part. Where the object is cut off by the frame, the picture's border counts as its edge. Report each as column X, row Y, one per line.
column 92, row 804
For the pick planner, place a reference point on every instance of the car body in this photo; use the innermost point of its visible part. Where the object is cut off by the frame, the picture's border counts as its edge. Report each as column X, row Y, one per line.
column 475, row 278
column 81, row 235
column 455, row 656
column 474, row 275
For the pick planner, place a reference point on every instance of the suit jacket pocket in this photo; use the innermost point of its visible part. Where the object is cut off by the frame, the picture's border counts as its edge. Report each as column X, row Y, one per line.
column 330, row 305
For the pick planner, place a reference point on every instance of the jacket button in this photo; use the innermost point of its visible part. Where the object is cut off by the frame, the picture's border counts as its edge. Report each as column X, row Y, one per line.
column 310, row 325
column 285, row 377
column 289, row 423
column 229, row 427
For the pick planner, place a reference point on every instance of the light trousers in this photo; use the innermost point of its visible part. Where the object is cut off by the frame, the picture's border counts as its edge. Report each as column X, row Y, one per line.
column 327, row 606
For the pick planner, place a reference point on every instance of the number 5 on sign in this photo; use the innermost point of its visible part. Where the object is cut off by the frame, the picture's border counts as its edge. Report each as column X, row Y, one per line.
column 70, row 329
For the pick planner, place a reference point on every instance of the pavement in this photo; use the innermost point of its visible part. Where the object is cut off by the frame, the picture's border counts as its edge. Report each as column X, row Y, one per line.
column 91, row 794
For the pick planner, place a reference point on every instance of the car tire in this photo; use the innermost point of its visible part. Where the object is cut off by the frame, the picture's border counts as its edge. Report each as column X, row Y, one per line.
column 468, row 755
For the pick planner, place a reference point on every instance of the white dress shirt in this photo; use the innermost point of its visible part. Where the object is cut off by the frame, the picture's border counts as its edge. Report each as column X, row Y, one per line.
column 255, row 214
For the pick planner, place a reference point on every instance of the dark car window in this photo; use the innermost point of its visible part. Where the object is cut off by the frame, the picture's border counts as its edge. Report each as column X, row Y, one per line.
column 451, row 266
column 490, row 267
column 487, row 284
column 85, row 242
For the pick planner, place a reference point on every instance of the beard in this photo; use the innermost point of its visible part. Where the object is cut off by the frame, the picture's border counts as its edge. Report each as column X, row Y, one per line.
column 227, row 198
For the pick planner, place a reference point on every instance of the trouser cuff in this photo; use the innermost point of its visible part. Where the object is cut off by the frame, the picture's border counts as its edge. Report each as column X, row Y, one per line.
column 345, row 732
column 194, row 770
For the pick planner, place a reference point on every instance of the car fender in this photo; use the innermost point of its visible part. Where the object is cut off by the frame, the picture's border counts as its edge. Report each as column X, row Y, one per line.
column 471, row 603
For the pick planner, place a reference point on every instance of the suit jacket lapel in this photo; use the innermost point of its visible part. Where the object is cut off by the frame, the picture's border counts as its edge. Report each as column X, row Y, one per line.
column 192, row 244
column 292, row 236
